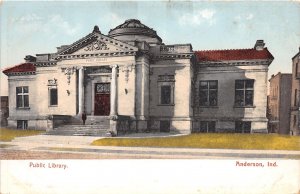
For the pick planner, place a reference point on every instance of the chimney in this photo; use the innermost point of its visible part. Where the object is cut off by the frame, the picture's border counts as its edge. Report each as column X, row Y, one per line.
column 96, row 29
column 259, row 45
column 29, row 58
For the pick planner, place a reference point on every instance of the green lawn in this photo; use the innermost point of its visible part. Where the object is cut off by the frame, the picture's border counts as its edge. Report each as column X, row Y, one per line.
column 10, row 134
column 213, row 140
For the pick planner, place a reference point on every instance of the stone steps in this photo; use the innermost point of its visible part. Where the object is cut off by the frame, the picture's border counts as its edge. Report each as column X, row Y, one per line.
column 80, row 130
column 91, row 120
column 94, row 126
column 77, row 132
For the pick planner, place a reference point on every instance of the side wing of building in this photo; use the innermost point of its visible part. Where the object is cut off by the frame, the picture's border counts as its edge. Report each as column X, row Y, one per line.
column 231, row 90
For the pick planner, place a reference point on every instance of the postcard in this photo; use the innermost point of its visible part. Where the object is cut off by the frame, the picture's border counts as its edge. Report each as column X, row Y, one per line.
column 150, row 97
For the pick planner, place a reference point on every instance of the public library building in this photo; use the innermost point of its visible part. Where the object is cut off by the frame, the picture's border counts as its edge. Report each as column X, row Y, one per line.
column 130, row 80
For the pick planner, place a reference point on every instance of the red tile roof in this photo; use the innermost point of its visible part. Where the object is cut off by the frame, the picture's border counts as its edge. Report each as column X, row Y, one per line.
column 21, row 68
column 231, row 55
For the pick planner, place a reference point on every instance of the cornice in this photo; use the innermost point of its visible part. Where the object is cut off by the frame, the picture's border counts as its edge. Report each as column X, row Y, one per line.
column 21, row 73
column 93, row 55
column 45, row 64
column 233, row 63
column 174, row 56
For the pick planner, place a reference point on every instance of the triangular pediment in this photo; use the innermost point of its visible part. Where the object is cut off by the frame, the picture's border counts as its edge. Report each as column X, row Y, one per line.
column 97, row 43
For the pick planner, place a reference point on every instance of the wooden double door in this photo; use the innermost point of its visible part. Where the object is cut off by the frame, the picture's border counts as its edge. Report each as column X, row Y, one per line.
column 102, row 99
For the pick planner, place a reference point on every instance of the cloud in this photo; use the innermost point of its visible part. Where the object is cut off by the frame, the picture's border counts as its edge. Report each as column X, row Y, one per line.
column 33, row 23
column 244, row 21
column 242, row 17
column 27, row 18
column 197, row 18
column 59, row 22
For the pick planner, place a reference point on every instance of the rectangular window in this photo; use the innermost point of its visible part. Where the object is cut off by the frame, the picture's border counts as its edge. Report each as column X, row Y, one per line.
column 22, row 124
column 166, row 94
column 206, row 127
column 53, row 96
column 208, row 93
column 22, row 94
column 242, row 127
column 166, row 85
column 244, row 92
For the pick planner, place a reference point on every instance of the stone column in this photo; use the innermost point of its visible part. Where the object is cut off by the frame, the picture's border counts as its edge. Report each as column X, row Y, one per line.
column 114, row 91
column 113, row 131
column 80, row 90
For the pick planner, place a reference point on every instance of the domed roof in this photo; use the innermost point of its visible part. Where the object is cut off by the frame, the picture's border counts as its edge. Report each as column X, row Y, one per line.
column 133, row 28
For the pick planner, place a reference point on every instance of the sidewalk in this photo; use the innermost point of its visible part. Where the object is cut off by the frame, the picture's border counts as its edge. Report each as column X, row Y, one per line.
column 81, row 144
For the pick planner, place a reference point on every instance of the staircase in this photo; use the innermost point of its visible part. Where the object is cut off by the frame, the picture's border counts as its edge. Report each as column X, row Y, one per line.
column 95, row 126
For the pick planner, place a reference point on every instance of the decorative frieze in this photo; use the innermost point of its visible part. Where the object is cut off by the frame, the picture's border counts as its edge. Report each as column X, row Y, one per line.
column 21, row 73
column 127, row 69
column 174, row 56
column 52, row 82
column 98, row 45
column 68, row 72
column 45, row 64
column 95, row 70
column 84, row 56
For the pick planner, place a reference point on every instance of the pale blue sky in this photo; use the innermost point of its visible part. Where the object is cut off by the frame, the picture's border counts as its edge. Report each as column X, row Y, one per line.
column 39, row 27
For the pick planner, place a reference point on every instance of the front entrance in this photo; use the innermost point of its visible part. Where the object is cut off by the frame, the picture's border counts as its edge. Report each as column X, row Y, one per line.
column 102, row 99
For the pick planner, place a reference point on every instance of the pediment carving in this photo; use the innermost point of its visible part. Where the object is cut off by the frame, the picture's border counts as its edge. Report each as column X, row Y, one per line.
column 97, row 43
column 96, row 46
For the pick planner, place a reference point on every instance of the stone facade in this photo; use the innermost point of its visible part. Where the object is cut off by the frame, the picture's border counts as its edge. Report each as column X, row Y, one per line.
column 130, row 77
column 280, row 103
column 295, row 95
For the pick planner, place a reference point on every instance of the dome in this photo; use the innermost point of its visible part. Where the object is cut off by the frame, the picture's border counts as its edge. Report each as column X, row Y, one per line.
column 134, row 30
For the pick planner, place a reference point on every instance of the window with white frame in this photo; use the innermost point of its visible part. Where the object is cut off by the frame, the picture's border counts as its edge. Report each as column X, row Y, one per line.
column 53, row 97
column 52, row 90
column 208, row 93
column 22, row 97
column 166, row 84
column 244, row 91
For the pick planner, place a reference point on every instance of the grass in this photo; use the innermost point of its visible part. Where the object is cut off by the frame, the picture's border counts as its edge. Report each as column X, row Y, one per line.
column 10, row 134
column 213, row 140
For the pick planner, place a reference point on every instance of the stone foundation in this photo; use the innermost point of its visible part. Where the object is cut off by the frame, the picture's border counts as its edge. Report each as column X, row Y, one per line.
column 229, row 126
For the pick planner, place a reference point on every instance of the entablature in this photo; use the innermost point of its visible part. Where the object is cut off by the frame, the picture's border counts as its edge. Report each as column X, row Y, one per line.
column 233, row 63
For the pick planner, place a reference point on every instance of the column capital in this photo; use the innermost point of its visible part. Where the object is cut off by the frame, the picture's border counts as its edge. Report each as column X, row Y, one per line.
column 114, row 66
column 81, row 68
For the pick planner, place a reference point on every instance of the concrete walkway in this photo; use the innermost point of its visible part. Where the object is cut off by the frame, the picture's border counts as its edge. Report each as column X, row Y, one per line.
column 81, row 144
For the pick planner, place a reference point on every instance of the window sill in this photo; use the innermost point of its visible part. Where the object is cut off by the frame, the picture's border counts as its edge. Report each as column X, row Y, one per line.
column 166, row 105
column 22, row 108
column 244, row 106
column 208, row 106
column 52, row 106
